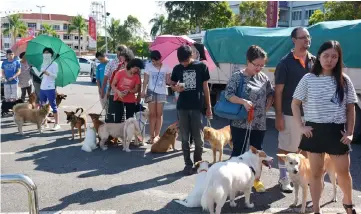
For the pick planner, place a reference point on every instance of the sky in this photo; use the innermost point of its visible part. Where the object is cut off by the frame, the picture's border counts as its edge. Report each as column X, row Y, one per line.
column 144, row 10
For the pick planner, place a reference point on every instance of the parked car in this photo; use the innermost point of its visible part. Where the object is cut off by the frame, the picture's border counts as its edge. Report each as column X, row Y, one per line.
column 86, row 65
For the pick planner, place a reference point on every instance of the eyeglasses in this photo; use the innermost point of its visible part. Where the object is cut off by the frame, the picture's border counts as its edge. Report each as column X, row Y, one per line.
column 305, row 37
column 258, row 66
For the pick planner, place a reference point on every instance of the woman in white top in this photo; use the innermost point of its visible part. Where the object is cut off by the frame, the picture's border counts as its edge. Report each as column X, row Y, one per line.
column 156, row 77
column 328, row 99
column 49, row 69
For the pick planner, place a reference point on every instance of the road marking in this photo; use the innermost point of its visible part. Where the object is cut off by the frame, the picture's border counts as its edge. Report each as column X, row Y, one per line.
column 69, row 212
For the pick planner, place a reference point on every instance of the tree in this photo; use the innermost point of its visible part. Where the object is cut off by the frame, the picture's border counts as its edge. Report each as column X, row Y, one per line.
column 317, row 16
column 16, row 27
column 77, row 24
column 48, row 30
column 158, row 25
column 341, row 10
column 221, row 16
column 173, row 27
column 252, row 13
column 140, row 48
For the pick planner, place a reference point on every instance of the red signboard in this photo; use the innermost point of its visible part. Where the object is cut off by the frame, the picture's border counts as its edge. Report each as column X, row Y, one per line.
column 272, row 13
column 92, row 28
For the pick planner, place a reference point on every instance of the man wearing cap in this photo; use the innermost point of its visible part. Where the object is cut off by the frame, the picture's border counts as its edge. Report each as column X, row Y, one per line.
column 10, row 70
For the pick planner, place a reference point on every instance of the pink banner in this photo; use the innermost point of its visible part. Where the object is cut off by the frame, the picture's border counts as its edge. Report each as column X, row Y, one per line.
column 272, row 13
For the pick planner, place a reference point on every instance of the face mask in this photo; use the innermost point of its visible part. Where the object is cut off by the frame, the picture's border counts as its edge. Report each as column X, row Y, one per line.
column 46, row 58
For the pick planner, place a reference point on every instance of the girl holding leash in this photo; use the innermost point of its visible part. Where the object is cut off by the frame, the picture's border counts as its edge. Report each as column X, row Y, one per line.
column 156, row 76
column 258, row 99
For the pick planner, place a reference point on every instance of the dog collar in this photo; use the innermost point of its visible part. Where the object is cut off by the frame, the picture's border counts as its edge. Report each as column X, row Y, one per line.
column 203, row 170
column 252, row 170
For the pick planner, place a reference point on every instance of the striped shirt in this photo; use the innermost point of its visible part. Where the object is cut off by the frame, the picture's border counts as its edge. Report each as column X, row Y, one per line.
column 320, row 102
column 109, row 69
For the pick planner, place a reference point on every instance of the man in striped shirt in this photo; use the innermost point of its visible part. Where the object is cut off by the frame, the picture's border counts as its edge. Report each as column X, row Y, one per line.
column 289, row 72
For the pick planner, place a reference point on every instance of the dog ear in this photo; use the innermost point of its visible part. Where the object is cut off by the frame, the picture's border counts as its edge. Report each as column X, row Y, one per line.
column 253, row 149
column 282, row 156
column 301, row 156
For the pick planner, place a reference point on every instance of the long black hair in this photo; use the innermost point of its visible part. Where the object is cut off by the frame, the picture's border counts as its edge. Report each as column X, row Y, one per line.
column 337, row 71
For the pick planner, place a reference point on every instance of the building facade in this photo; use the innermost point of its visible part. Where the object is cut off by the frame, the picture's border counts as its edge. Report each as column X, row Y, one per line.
column 59, row 23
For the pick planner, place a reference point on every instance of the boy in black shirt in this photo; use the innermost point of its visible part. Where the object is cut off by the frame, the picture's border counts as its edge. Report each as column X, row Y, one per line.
column 190, row 79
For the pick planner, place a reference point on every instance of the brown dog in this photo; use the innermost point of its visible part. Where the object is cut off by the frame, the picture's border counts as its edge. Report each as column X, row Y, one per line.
column 32, row 100
column 218, row 139
column 59, row 98
column 76, row 121
column 97, row 123
column 167, row 141
column 36, row 116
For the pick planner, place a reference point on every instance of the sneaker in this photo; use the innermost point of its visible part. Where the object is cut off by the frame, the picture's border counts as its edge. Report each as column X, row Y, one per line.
column 285, row 185
column 188, row 170
column 258, row 186
column 56, row 127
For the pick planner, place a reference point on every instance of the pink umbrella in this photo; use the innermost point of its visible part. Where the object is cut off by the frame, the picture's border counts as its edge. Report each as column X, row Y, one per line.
column 167, row 45
column 21, row 45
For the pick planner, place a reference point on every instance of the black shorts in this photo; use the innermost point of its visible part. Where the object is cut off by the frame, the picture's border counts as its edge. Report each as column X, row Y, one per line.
column 238, row 135
column 325, row 139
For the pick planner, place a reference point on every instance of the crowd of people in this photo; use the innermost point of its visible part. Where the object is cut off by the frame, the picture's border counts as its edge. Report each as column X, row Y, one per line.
column 313, row 99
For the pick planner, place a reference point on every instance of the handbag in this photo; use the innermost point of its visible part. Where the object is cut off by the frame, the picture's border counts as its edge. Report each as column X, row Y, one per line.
column 228, row 110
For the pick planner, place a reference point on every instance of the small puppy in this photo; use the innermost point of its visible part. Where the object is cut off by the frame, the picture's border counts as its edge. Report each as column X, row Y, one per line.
column 298, row 167
column 218, row 139
column 96, row 121
column 89, row 143
column 194, row 197
column 36, row 116
column 227, row 178
column 59, row 98
column 6, row 106
column 32, row 100
column 167, row 141
column 76, row 121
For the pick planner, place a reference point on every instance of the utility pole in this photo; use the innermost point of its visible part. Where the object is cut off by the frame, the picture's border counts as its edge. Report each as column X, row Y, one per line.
column 106, row 14
column 41, row 16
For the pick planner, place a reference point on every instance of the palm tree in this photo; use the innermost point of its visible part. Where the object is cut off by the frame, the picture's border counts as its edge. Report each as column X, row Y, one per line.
column 77, row 24
column 16, row 27
column 158, row 25
column 48, row 30
column 113, row 33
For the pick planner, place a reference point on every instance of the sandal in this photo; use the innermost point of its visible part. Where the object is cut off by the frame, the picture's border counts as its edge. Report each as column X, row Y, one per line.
column 348, row 206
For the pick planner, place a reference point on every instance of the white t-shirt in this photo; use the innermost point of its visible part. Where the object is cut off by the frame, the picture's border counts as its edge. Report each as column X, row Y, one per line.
column 157, row 78
column 319, row 100
column 48, row 82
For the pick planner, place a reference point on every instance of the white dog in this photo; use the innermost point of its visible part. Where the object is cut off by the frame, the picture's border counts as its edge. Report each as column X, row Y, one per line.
column 194, row 197
column 89, row 143
column 227, row 178
column 142, row 118
column 131, row 129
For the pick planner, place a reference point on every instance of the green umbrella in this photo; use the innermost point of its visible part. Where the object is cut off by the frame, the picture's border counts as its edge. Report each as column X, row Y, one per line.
column 64, row 56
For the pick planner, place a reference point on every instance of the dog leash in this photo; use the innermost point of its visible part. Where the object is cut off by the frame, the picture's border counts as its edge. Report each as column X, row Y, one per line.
column 247, row 136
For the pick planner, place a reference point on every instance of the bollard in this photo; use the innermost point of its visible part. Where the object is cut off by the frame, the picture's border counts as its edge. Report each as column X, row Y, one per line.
column 30, row 187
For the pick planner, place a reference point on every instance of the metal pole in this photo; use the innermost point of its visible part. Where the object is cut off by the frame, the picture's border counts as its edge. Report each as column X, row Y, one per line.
column 106, row 39
column 41, row 16
column 30, row 187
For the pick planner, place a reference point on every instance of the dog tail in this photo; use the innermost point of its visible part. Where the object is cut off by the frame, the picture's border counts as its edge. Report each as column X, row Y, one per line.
column 207, row 193
column 81, row 109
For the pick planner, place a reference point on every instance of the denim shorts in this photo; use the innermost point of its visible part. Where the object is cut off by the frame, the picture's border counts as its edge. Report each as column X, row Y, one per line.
column 159, row 98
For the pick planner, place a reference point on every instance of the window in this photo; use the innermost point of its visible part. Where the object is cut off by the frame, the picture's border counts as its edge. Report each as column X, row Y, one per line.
column 76, row 47
column 32, row 25
column 66, row 36
column 65, row 26
column 82, row 60
column 76, row 37
column 296, row 15
column 56, row 27
column 6, row 45
column 6, row 25
column 309, row 13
